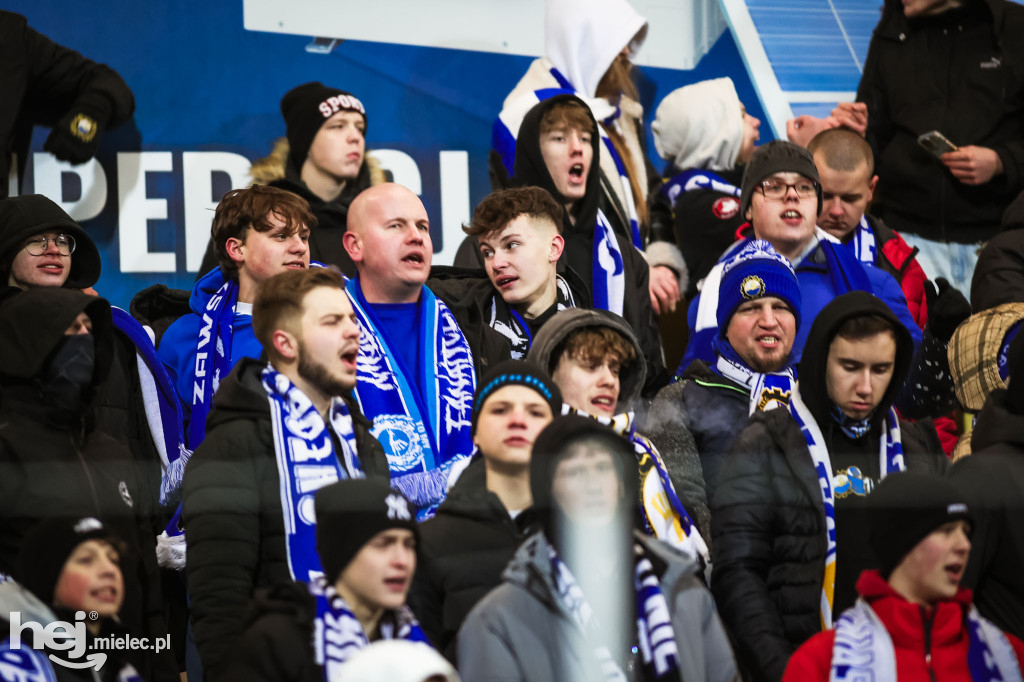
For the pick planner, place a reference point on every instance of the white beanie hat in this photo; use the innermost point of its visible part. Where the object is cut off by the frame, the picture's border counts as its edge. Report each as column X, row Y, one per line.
column 396, row 660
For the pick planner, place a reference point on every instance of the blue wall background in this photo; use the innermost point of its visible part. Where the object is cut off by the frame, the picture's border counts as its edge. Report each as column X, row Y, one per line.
column 204, row 83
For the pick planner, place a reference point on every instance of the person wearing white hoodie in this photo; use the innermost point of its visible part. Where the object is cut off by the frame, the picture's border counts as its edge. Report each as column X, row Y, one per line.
column 587, row 48
column 706, row 135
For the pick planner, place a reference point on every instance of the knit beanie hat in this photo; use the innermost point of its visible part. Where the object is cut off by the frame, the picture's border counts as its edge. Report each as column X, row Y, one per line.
column 396, row 660
column 47, row 547
column 778, row 156
column 757, row 271
column 350, row 512
column 305, row 108
column 517, row 372
column 904, row 508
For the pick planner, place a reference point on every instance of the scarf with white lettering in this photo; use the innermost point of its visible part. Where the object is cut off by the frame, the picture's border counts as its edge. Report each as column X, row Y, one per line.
column 421, row 415
column 696, row 178
column 608, row 272
column 890, row 460
column 863, row 649
column 24, row 664
column 513, row 327
column 337, row 633
column 306, row 462
column 656, row 638
column 863, row 243
column 664, row 514
column 213, row 356
column 768, row 390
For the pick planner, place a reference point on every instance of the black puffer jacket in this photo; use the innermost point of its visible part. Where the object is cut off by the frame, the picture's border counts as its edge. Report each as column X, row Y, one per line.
column 993, row 477
column 41, row 81
column 54, row 459
column 462, row 553
column 232, row 510
column 999, row 275
column 962, row 73
column 767, row 516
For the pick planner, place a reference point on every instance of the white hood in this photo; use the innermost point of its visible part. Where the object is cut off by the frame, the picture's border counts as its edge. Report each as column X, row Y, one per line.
column 582, row 37
column 700, row 126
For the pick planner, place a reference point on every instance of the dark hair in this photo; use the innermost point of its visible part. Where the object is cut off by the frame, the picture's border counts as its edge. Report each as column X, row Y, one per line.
column 241, row 209
column 592, row 343
column 500, row 208
column 857, row 328
column 279, row 301
column 842, row 150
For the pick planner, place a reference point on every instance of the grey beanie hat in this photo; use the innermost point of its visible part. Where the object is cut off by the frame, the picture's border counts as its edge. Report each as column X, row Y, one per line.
column 778, row 156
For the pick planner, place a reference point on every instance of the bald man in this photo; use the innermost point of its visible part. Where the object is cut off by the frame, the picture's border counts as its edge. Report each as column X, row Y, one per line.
column 415, row 369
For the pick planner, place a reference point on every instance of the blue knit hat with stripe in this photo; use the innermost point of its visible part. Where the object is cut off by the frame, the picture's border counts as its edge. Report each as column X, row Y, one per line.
column 757, row 271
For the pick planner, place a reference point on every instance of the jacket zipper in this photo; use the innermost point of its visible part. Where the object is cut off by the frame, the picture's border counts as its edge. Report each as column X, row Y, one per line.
column 88, row 475
column 927, row 622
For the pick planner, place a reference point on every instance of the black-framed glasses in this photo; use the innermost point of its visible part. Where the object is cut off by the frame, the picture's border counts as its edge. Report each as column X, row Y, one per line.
column 774, row 189
column 37, row 246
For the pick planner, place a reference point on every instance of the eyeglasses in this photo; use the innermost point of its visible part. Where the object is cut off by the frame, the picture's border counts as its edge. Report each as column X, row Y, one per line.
column 37, row 246
column 773, row 189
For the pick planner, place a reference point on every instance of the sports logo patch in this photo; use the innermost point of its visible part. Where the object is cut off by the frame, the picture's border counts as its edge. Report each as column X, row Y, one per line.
column 725, row 208
column 752, row 286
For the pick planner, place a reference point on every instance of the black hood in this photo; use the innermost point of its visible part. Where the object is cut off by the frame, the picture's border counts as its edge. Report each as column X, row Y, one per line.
column 530, row 169
column 812, row 373
column 32, row 325
column 998, row 427
column 28, row 215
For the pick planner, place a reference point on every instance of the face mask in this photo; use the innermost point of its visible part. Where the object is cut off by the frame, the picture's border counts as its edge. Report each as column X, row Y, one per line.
column 70, row 372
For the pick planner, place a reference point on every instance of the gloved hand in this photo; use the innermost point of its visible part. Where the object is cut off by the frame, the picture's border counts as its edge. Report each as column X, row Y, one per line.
column 76, row 135
column 947, row 308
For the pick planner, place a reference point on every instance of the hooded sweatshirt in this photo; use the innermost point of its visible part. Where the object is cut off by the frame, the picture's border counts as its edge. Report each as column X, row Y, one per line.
column 26, row 216
column 531, row 170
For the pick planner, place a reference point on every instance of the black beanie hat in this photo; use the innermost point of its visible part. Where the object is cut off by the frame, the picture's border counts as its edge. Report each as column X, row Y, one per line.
column 349, row 513
column 904, row 509
column 517, row 372
column 305, row 109
column 1015, row 387
column 778, row 156
column 47, row 547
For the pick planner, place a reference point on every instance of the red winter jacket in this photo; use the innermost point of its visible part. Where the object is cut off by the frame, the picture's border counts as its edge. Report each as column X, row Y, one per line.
column 946, row 639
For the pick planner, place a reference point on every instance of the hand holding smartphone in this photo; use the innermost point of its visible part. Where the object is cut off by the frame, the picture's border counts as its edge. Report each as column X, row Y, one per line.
column 936, row 143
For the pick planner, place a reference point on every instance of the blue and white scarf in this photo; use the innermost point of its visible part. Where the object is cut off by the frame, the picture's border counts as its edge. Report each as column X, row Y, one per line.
column 863, row 244
column 768, row 390
column 655, row 636
column 696, row 179
column 421, row 415
column 676, row 527
column 24, row 664
column 306, row 462
column 890, row 460
column 510, row 324
column 213, row 357
column 863, row 649
column 608, row 271
column 337, row 633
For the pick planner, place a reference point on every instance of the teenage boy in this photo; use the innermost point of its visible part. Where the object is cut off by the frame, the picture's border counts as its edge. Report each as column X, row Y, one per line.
column 278, row 432
column 758, row 317
column 595, row 359
column 913, row 621
column 366, row 539
column 787, row 518
column 416, row 375
column 519, row 235
column 465, row 548
column 258, row 232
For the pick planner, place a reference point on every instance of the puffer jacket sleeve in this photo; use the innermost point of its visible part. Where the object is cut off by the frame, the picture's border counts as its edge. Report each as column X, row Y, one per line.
column 700, row 635
column 743, row 513
column 486, row 648
column 222, row 516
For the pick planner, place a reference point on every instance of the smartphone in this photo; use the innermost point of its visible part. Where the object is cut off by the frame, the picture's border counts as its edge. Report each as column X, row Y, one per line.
column 936, row 143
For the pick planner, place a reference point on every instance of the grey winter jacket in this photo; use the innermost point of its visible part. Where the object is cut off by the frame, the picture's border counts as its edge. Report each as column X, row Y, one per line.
column 521, row 631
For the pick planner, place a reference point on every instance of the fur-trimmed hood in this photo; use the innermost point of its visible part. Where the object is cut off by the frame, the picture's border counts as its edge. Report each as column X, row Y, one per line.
column 273, row 166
